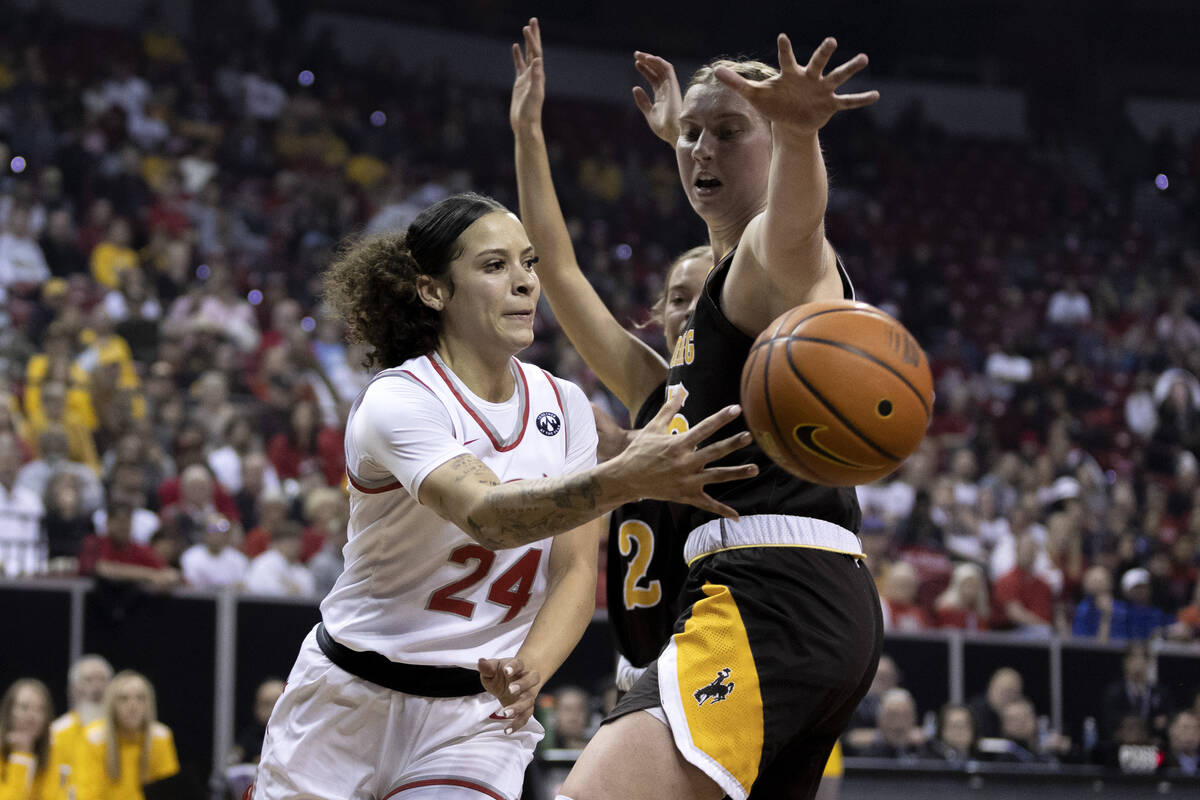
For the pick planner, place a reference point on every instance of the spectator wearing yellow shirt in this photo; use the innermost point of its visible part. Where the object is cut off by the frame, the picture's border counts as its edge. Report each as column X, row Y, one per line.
column 113, row 255
column 127, row 748
column 56, row 364
column 28, row 770
column 87, row 681
column 81, row 445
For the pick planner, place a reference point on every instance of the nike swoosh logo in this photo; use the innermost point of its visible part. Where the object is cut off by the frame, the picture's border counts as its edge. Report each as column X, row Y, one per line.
column 497, row 715
column 471, row 441
column 805, row 436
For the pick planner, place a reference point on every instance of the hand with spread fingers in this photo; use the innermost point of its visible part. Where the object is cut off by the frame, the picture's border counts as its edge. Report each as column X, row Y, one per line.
column 801, row 98
column 529, row 83
column 672, row 465
column 513, row 685
column 661, row 113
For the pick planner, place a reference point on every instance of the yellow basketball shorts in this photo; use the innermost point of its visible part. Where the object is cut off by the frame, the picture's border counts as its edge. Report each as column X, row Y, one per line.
column 769, row 659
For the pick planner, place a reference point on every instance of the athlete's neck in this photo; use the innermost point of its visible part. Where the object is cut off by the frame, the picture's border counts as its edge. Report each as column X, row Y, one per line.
column 489, row 380
column 724, row 238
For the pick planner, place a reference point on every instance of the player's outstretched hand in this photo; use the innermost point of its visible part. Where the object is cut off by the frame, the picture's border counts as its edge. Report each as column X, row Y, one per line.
column 513, row 685
column 665, row 463
column 529, row 83
column 799, row 98
column 661, row 113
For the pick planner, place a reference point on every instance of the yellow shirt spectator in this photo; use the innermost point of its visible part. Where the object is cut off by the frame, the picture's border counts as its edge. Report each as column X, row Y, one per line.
column 22, row 780
column 109, row 260
column 66, row 748
column 94, row 782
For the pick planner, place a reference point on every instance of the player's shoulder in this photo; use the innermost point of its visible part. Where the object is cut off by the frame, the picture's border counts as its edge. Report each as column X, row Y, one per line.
column 567, row 389
column 66, row 722
column 94, row 732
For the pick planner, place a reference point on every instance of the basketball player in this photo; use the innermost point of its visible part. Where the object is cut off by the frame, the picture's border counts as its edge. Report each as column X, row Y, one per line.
column 782, row 627
column 462, row 461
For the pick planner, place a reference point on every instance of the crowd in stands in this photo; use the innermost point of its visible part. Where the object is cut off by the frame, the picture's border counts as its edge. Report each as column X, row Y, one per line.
column 172, row 389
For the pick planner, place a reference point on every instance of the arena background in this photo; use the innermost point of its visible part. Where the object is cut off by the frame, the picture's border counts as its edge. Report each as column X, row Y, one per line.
column 1021, row 151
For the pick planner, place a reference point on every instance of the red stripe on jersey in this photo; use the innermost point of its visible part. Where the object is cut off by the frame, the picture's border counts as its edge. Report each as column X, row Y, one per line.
column 462, row 401
column 380, row 490
column 444, row 782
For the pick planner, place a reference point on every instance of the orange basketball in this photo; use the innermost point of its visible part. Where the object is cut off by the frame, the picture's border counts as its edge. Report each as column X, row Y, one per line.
column 837, row 392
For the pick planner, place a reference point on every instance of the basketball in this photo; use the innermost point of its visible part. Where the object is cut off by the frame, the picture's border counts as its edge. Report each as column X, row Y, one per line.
column 837, row 392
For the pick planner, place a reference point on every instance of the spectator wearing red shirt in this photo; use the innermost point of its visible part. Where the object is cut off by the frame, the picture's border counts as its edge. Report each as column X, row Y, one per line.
column 1023, row 601
column 188, row 449
column 307, row 447
column 964, row 604
column 117, row 557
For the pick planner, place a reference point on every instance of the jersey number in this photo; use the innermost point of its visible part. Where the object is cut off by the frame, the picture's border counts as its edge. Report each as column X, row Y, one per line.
column 635, row 533
column 512, row 589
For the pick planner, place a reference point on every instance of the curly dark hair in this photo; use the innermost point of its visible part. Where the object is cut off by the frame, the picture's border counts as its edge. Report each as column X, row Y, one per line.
column 372, row 283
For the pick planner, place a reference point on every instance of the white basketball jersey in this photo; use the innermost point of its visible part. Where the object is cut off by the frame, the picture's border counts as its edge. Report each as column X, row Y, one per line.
column 416, row 588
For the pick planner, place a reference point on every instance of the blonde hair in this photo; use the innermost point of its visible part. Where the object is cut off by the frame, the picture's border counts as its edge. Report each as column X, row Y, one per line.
column 749, row 69
column 112, row 755
column 951, row 598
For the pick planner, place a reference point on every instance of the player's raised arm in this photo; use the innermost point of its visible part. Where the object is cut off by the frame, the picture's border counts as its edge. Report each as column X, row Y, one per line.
column 783, row 253
column 662, row 110
column 629, row 367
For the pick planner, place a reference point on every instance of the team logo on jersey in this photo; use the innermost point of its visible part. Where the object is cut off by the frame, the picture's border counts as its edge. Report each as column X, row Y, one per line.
column 716, row 691
column 548, row 423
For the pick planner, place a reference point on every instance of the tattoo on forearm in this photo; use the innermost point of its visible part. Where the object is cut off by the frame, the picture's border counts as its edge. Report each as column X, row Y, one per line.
column 526, row 511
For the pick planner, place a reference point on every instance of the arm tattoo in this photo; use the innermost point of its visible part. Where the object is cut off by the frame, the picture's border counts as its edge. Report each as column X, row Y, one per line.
column 529, row 510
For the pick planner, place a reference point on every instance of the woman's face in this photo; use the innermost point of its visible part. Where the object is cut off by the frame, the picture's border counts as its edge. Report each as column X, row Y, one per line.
column 496, row 289
column 724, row 155
column 958, row 730
column 131, row 706
column 29, row 712
column 684, row 285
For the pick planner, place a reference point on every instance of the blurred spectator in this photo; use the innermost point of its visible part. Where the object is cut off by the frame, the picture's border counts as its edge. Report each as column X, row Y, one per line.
column 53, row 448
column 53, row 400
column 1004, row 687
column 308, row 447
column 1023, row 601
column 127, row 485
column 197, row 504
column 187, row 448
column 112, row 255
column 213, row 561
column 22, row 549
column 87, row 680
column 860, row 732
column 248, row 745
column 955, row 742
column 900, row 611
column 1018, row 740
column 116, row 557
column 965, row 603
column 1069, row 306
column 228, row 462
column 212, row 411
column 22, row 263
column 1142, row 620
column 59, row 246
column 28, row 768
column 572, row 717
column 66, row 523
column 1187, row 626
column 127, row 749
column 1098, row 614
column 278, row 571
column 1135, row 695
column 898, row 736
column 1182, row 755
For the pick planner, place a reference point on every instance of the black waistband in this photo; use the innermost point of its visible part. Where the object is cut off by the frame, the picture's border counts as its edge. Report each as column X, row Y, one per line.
column 418, row 679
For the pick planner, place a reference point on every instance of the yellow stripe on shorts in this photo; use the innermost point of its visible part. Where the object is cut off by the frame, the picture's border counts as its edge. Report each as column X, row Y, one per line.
column 718, row 685
column 834, row 767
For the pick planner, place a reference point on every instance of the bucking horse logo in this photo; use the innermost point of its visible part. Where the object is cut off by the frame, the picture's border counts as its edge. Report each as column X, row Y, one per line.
column 716, row 691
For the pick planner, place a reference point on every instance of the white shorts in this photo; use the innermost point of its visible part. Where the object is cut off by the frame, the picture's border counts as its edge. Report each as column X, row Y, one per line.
column 334, row 736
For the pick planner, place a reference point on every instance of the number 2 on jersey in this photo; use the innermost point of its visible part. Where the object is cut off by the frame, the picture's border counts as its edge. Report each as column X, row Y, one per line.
column 635, row 533
column 511, row 589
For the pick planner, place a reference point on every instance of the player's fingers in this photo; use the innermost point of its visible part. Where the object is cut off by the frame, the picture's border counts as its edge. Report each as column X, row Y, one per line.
column 845, row 101
column 518, row 59
column 820, row 57
column 845, row 72
column 670, row 408
column 726, row 474
column 734, row 81
column 709, row 425
column 523, row 684
column 703, row 501
column 787, row 56
column 488, row 667
column 513, row 667
column 642, row 100
column 718, row 450
column 533, row 37
column 521, row 715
